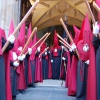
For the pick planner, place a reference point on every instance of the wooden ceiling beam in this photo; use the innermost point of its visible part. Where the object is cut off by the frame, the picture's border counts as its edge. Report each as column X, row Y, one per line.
column 56, row 15
column 49, row 13
column 44, row 4
column 56, row 10
column 78, row 3
column 42, row 13
column 73, row 6
column 58, row 23
column 68, row 9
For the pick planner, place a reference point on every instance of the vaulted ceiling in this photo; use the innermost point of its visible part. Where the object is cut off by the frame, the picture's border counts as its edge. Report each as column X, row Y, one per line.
column 48, row 12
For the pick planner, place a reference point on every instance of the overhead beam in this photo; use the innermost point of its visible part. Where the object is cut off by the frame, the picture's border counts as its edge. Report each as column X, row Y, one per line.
column 49, row 13
column 58, row 23
column 68, row 9
column 42, row 13
column 44, row 4
column 73, row 6
column 56, row 10
column 56, row 15
column 78, row 3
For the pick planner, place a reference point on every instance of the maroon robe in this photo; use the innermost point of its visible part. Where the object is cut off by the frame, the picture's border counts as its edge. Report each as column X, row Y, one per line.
column 38, row 70
column 49, row 66
column 72, row 80
column 21, row 68
column 73, row 70
column 7, row 72
column 38, row 67
column 68, row 70
column 91, row 83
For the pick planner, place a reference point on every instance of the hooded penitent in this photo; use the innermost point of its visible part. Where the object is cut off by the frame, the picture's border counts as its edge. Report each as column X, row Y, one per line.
column 21, row 68
column 2, row 71
column 13, row 57
column 8, row 57
column 84, row 55
column 73, row 70
column 92, row 78
column 38, row 67
column 28, row 70
column 7, row 64
column 82, row 68
column 56, row 53
column 56, row 44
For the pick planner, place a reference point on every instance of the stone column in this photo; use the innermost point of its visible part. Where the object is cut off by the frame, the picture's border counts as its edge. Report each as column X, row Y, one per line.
column 9, row 10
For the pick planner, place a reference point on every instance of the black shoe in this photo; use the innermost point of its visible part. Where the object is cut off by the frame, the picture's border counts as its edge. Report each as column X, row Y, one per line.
column 22, row 91
column 14, row 98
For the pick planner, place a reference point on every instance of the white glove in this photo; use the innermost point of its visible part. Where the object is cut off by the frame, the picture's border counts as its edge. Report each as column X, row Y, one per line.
column 11, row 39
column 73, row 46
column 95, row 29
column 20, row 58
column 85, row 48
column 51, row 61
column 62, row 47
column 29, row 51
column 20, row 48
column 15, row 63
column 38, row 49
column 63, row 58
column 14, row 56
column 23, row 56
column 45, row 53
column 55, row 50
column 49, row 52
column 70, row 50
column 87, row 62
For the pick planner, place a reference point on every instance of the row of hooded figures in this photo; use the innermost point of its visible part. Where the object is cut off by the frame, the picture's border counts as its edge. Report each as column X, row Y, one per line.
column 77, row 64
column 18, row 72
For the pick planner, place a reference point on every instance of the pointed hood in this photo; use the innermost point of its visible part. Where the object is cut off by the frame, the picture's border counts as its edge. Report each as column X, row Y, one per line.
column 32, row 57
column 0, row 41
column 81, row 31
column 11, row 29
column 86, row 40
column 21, row 36
column 77, row 33
column 98, row 3
column 29, row 33
column 2, row 32
column 55, row 39
column 56, row 45
column 87, row 31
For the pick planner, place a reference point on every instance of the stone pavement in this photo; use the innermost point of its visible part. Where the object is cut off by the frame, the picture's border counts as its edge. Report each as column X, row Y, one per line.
column 40, row 92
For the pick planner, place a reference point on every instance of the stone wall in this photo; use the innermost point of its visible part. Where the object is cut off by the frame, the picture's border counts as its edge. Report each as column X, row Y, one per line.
column 9, row 9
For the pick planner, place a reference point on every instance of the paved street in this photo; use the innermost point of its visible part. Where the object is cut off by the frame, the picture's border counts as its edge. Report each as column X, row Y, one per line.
column 40, row 92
